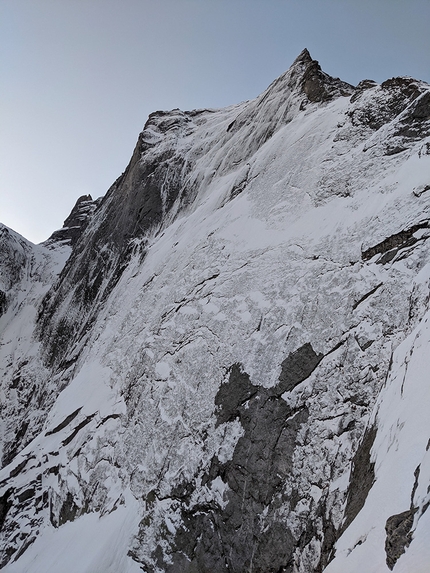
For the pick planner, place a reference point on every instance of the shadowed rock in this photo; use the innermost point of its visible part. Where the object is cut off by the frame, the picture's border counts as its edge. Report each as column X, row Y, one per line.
column 237, row 538
column 362, row 478
column 399, row 536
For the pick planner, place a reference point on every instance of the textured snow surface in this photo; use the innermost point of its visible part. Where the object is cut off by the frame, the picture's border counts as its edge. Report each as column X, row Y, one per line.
column 265, row 249
column 93, row 544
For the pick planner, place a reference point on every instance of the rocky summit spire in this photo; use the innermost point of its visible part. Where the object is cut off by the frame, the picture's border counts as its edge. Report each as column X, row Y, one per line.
column 306, row 82
column 316, row 84
column 304, row 57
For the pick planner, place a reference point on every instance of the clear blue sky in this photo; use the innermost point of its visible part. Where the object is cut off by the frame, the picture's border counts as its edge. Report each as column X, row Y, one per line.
column 79, row 77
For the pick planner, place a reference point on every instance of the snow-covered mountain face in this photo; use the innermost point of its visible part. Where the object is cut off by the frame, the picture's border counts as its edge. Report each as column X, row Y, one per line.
column 223, row 364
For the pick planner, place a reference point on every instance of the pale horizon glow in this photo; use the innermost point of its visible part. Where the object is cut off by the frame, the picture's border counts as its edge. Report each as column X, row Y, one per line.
column 79, row 78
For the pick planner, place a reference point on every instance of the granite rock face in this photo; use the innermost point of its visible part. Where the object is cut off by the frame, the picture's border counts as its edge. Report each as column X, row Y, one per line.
column 76, row 222
column 221, row 364
column 14, row 256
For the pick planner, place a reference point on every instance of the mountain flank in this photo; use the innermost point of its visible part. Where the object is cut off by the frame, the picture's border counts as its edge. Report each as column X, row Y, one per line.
column 222, row 364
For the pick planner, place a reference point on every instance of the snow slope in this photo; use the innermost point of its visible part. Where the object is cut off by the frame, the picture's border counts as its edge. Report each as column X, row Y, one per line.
column 232, row 362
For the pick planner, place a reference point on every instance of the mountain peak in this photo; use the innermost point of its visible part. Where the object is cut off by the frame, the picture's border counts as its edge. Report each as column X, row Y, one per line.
column 305, row 77
column 304, row 56
column 315, row 83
